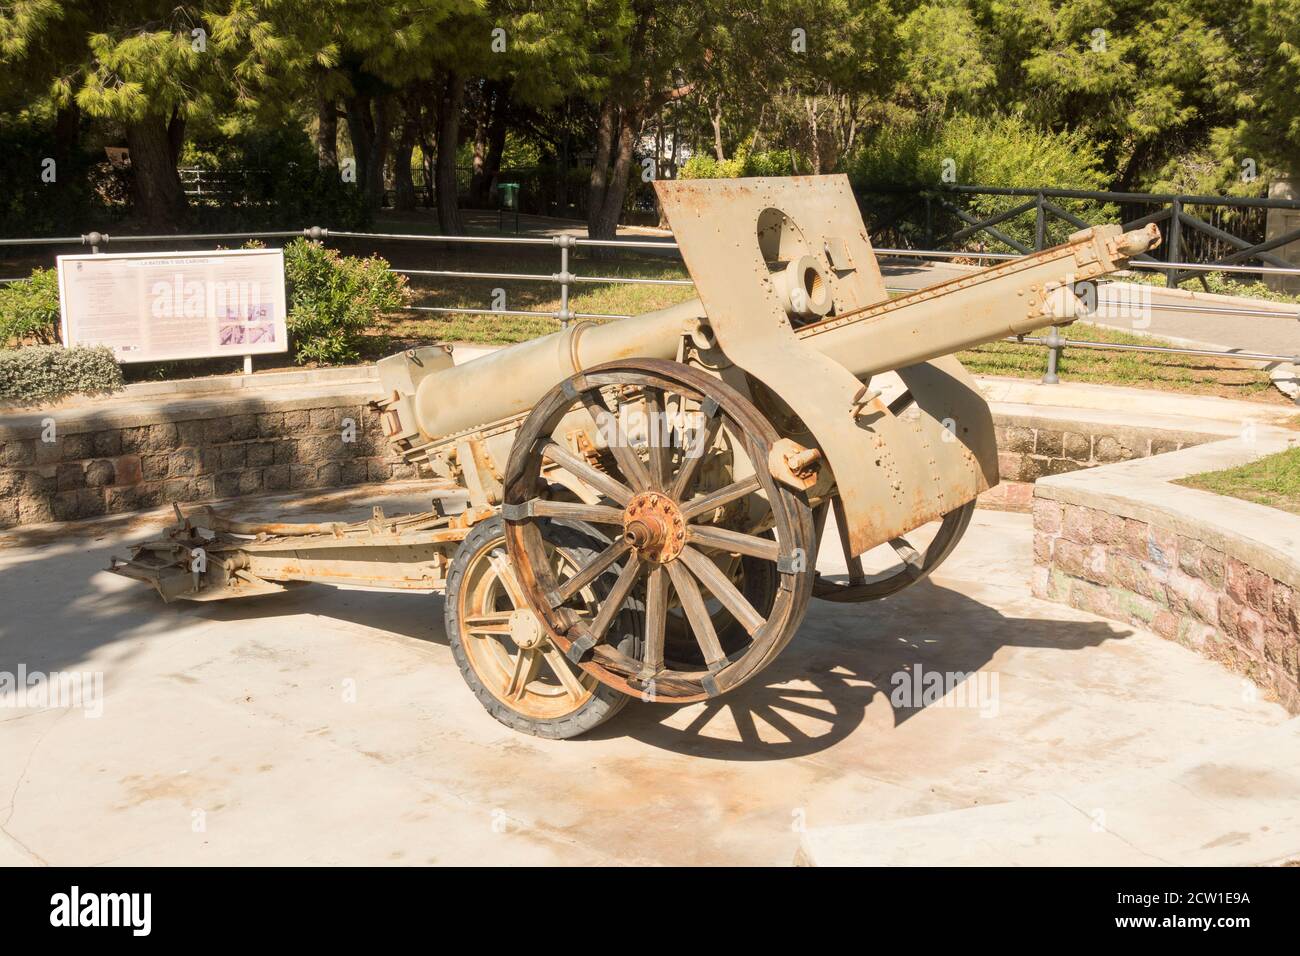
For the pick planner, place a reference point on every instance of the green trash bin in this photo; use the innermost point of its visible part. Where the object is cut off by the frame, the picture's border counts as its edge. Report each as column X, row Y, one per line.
column 509, row 196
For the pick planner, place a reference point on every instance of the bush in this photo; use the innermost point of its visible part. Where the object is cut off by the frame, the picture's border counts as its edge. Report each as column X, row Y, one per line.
column 47, row 373
column 744, row 163
column 335, row 299
column 1003, row 151
column 29, row 309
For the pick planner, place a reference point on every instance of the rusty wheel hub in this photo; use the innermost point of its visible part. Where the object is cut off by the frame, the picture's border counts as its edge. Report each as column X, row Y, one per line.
column 654, row 526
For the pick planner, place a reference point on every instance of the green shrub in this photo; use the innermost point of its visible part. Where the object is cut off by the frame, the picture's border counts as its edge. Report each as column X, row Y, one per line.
column 744, row 163
column 334, row 300
column 29, row 309
column 47, row 373
column 1004, row 151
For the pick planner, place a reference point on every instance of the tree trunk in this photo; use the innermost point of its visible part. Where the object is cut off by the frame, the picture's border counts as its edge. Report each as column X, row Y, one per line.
column 600, row 166
column 403, row 184
column 327, row 129
column 428, row 159
column 175, row 137
column 368, row 128
column 715, row 117
column 159, row 197
column 605, row 224
column 496, row 148
column 378, row 157
column 478, row 180
column 361, row 131
column 448, row 139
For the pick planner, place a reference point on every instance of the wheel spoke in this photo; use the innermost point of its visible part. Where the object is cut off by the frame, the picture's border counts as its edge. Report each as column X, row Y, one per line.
column 474, row 622
column 595, row 569
column 522, row 672
column 913, row 564
column 506, row 575
column 560, row 667
column 693, row 455
column 688, row 592
column 657, row 451
column 715, row 500
column 633, row 470
column 600, row 514
column 901, row 403
column 724, row 539
column 602, row 482
column 819, row 523
column 854, row 562
column 498, row 629
column 656, row 621
column 612, row 603
column 720, row 587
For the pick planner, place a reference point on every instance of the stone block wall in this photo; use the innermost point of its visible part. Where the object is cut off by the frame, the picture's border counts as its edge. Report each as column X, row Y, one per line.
column 62, row 466
column 138, row 456
column 1176, row 585
column 1032, row 447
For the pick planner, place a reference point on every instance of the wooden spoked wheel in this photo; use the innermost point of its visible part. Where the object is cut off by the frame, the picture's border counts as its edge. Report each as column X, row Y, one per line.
column 520, row 677
column 680, row 502
column 913, row 565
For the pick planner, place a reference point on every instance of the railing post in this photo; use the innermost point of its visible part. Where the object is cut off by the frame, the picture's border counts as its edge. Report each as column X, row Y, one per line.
column 564, row 277
column 1040, row 223
column 1054, row 344
column 1175, row 238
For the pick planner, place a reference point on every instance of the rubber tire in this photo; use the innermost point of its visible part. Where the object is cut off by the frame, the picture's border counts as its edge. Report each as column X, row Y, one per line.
column 605, row 702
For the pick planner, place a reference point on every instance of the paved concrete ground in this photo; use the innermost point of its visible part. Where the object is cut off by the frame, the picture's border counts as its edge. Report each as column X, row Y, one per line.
column 225, row 736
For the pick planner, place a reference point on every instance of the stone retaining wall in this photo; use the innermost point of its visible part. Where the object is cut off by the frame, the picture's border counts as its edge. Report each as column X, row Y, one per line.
column 1031, row 447
column 1185, row 583
column 110, row 461
column 72, row 464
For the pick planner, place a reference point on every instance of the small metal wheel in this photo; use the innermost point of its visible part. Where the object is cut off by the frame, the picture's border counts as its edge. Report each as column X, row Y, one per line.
column 686, row 489
column 913, row 565
column 518, row 675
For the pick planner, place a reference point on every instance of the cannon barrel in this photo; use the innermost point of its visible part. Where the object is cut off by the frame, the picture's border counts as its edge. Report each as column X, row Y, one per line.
column 1013, row 298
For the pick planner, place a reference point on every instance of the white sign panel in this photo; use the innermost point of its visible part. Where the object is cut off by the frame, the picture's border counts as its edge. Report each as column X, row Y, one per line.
column 150, row 308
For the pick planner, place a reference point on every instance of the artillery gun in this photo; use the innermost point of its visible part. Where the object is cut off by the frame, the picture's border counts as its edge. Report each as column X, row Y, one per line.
column 636, row 508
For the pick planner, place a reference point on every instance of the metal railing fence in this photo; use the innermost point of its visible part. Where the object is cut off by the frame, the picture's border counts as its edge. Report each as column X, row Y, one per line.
column 1211, row 242
column 1053, row 342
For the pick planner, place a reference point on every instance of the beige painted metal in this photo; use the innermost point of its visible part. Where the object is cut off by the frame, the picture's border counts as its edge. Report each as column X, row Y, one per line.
column 791, row 294
column 511, row 381
column 772, row 257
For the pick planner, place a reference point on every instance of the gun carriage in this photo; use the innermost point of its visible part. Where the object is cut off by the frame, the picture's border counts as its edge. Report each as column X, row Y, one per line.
column 636, row 508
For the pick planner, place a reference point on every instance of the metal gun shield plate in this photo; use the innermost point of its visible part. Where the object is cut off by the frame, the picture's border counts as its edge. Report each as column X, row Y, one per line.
column 892, row 473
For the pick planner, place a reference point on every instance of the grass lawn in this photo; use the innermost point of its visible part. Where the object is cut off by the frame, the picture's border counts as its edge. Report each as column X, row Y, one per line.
column 1197, row 374
column 602, row 298
column 1272, row 481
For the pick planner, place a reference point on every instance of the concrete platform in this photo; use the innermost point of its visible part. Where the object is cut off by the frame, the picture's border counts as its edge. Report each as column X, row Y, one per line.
column 326, row 726
column 1238, row 804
